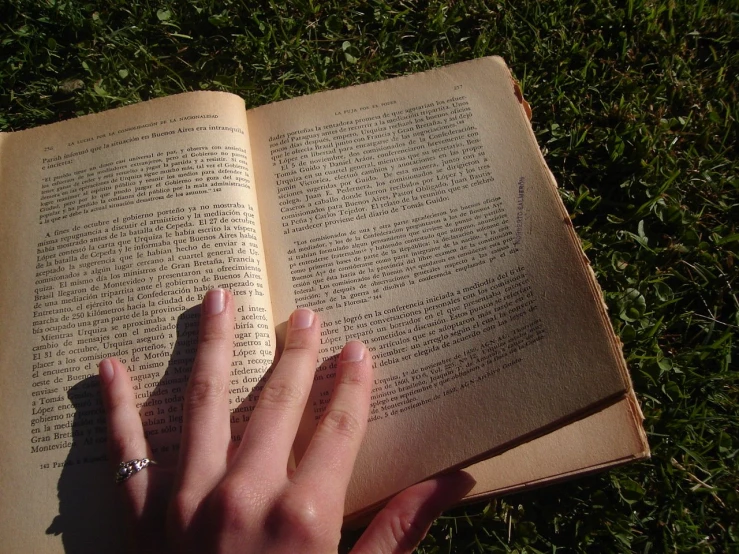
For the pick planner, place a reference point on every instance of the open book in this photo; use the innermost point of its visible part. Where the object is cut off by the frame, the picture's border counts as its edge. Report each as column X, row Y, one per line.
column 416, row 214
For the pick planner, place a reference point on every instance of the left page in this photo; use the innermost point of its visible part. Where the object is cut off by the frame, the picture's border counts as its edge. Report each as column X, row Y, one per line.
column 112, row 227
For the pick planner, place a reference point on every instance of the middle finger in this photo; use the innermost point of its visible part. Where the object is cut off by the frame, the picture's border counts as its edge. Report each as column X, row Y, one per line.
column 206, row 431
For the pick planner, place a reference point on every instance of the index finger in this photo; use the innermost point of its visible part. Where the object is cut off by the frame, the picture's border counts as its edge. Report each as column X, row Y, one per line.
column 269, row 436
column 338, row 436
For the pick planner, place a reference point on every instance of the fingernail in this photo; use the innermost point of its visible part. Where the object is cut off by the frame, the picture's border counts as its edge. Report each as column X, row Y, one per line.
column 106, row 371
column 301, row 319
column 214, row 302
column 353, row 352
column 455, row 486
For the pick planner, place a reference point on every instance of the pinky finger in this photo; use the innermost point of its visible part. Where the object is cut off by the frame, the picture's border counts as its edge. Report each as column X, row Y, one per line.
column 126, row 440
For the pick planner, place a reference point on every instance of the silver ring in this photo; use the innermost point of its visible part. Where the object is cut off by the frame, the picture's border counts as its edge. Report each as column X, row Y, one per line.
column 127, row 469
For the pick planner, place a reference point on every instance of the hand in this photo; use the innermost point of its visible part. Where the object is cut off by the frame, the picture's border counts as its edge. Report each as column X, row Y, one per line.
column 243, row 498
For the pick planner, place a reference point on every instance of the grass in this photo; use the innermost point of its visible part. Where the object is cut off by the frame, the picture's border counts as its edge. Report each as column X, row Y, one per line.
column 635, row 106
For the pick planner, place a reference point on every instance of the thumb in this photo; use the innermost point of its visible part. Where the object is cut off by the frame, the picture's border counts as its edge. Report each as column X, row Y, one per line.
column 404, row 522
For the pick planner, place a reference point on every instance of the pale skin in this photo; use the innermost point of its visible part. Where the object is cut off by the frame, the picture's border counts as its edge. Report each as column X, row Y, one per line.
column 224, row 498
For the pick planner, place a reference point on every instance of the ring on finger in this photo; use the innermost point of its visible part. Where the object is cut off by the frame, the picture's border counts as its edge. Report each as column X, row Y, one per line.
column 128, row 469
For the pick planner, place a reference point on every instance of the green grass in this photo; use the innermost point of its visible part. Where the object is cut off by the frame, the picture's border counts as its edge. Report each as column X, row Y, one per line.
column 635, row 106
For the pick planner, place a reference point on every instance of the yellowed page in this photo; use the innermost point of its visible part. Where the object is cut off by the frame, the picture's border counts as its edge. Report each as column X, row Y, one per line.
column 113, row 227
column 605, row 439
column 609, row 438
column 418, row 215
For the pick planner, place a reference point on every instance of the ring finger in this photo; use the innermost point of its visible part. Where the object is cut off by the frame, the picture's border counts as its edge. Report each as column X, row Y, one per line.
column 126, row 440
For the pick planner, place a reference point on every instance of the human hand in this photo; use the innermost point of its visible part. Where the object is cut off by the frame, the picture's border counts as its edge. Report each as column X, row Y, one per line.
column 243, row 498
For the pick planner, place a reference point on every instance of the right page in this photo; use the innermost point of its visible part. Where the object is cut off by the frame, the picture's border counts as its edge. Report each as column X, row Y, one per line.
column 418, row 215
column 608, row 438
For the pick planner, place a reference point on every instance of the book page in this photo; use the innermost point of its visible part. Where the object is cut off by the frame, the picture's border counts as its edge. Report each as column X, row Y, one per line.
column 418, row 215
column 590, row 444
column 606, row 439
column 113, row 227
